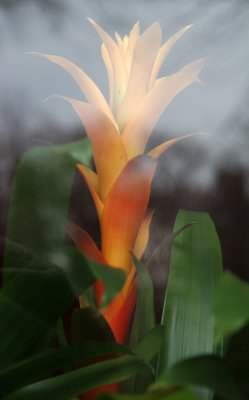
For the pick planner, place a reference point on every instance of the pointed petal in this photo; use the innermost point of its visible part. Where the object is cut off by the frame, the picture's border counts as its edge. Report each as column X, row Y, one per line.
column 132, row 42
column 124, row 210
column 133, row 37
column 92, row 176
column 121, row 315
column 109, row 70
column 86, row 245
column 98, row 203
column 86, row 84
column 143, row 60
column 118, row 40
column 120, row 80
column 164, row 51
column 139, row 128
column 157, row 151
column 143, row 235
column 108, row 148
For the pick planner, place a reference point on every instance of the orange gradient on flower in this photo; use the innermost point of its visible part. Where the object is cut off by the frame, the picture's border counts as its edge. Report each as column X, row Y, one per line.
column 119, row 130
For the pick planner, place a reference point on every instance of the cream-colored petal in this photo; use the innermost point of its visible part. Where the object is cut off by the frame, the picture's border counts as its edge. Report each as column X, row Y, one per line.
column 139, row 128
column 133, row 38
column 108, row 149
column 119, row 40
column 109, row 70
column 163, row 52
column 86, row 84
column 120, row 80
column 143, row 60
column 157, row 151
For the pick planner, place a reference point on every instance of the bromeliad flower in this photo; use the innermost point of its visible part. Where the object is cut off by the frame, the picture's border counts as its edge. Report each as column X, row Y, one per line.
column 119, row 131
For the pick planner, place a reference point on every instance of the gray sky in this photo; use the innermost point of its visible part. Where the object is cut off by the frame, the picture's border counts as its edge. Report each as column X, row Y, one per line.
column 220, row 33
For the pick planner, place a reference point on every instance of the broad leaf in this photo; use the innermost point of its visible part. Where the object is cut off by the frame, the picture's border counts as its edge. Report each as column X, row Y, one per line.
column 34, row 299
column 73, row 383
column 208, row 371
column 188, row 309
column 42, row 277
column 39, row 200
column 150, row 344
column 231, row 305
column 89, row 324
column 143, row 322
column 177, row 394
column 30, row 370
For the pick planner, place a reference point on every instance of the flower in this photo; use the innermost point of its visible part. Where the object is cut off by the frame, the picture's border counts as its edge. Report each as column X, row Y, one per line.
column 119, row 131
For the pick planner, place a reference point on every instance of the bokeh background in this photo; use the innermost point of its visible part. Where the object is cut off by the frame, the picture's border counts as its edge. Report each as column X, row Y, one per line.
column 208, row 173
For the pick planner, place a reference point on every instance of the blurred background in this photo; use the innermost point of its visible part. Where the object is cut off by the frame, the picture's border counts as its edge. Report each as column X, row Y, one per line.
column 208, row 173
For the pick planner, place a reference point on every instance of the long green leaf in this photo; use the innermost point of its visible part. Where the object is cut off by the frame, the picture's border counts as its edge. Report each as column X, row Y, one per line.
column 178, row 394
column 42, row 276
column 40, row 198
column 30, row 370
column 73, row 383
column 237, row 356
column 32, row 302
column 188, row 309
column 143, row 322
column 150, row 344
column 144, row 318
column 208, row 371
column 89, row 324
column 231, row 307
column 231, row 314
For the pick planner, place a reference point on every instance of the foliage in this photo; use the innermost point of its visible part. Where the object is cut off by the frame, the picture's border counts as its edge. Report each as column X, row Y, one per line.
column 43, row 277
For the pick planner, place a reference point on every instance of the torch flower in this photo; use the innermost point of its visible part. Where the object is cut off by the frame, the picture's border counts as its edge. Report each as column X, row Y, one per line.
column 119, row 131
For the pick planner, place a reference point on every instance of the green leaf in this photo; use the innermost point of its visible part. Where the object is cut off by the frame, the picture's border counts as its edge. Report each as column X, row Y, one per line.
column 176, row 394
column 89, row 324
column 237, row 356
column 40, row 198
column 78, row 381
column 73, row 383
column 208, row 371
column 143, row 322
column 34, row 299
column 231, row 307
column 188, row 309
column 42, row 276
column 144, row 318
column 150, row 344
column 30, row 370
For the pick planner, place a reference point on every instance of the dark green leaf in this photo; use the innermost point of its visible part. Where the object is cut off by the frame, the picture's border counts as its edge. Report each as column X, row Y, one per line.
column 143, row 322
column 150, row 344
column 39, row 200
column 208, row 371
column 73, row 383
column 144, row 318
column 188, row 310
column 89, row 324
column 237, row 356
column 42, row 276
column 231, row 308
column 41, row 365
column 32, row 302
column 175, row 394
